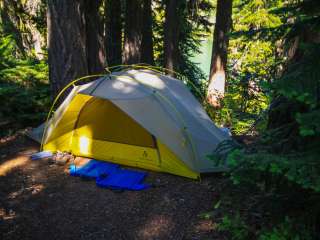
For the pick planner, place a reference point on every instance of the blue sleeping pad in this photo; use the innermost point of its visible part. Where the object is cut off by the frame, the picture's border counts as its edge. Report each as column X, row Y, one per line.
column 123, row 179
column 93, row 169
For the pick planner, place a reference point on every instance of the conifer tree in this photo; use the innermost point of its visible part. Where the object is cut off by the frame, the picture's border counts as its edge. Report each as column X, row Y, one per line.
column 218, row 69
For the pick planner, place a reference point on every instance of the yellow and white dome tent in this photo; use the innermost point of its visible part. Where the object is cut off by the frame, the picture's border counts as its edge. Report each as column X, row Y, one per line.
column 137, row 118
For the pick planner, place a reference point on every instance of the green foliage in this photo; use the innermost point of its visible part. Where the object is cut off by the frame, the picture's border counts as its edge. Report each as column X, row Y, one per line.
column 285, row 230
column 280, row 152
column 301, row 84
column 243, row 103
column 271, row 171
column 235, row 226
column 23, row 88
column 25, row 21
column 251, row 60
column 282, row 165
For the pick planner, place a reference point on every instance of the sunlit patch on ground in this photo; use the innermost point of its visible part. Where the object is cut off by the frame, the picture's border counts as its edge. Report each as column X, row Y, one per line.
column 33, row 190
column 13, row 137
column 205, row 226
column 7, row 139
column 36, row 188
column 13, row 163
column 7, row 215
column 156, row 227
column 15, row 194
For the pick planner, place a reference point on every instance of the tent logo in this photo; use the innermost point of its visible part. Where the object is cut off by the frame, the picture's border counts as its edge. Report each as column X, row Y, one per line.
column 144, row 154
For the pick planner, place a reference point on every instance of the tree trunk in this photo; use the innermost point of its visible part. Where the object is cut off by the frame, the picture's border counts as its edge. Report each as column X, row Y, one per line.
column 147, row 42
column 113, row 31
column 94, row 40
column 171, row 36
column 133, row 32
column 66, row 42
column 217, row 76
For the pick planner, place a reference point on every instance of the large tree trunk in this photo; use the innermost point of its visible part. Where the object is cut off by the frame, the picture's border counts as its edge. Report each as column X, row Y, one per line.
column 132, row 33
column 94, row 40
column 217, row 77
column 66, row 42
column 147, row 42
column 113, row 31
column 171, row 36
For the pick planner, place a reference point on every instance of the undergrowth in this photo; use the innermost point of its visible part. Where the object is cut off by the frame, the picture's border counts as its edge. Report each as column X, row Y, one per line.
column 24, row 88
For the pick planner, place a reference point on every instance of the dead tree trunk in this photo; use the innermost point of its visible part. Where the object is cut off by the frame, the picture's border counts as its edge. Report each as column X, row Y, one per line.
column 217, row 78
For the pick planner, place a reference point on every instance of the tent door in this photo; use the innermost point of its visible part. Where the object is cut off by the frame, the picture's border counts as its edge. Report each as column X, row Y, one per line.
column 104, row 129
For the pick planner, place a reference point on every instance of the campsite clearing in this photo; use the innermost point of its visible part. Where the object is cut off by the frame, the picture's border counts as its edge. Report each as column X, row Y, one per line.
column 41, row 201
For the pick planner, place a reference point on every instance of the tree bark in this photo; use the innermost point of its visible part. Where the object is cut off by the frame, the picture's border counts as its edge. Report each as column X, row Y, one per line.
column 94, row 40
column 217, row 78
column 66, row 42
column 133, row 32
column 113, row 31
column 171, row 36
column 147, row 42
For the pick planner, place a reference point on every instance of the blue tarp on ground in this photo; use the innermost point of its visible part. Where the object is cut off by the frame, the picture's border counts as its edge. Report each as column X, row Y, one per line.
column 110, row 175
column 93, row 169
column 124, row 179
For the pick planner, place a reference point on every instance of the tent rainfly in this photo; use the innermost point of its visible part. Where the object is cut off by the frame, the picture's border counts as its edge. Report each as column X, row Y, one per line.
column 137, row 118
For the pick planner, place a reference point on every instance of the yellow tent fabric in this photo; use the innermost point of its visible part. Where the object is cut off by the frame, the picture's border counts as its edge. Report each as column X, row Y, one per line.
column 97, row 128
column 100, row 116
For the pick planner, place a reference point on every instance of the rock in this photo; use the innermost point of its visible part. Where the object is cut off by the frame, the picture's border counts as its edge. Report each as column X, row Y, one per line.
column 62, row 160
column 71, row 159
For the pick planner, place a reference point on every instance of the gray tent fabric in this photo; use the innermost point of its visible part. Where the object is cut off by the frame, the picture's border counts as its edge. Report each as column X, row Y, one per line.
column 164, row 106
column 36, row 133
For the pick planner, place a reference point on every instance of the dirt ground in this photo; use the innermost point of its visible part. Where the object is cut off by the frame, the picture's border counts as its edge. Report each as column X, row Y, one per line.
column 41, row 201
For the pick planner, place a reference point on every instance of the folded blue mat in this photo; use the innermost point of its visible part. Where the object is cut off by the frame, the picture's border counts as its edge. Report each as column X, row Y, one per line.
column 93, row 169
column 109, row 175
column 123, row 179
column 40, row 155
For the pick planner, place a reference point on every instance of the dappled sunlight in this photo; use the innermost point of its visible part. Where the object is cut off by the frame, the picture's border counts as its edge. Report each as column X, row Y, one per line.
column 7, row 215
column 149, row 78
column 13, row 163
column 7, row 139
column 156, row 227
column 82, row 139
column 163, row 119
column 84, row 144
column 124, row 85
column 205, row 226
column 120, row 87
column 36, row 188
column 15, row 194
column 33, row 190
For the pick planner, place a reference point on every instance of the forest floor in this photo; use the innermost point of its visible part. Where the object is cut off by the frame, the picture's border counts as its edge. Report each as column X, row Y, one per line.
column 41, row 201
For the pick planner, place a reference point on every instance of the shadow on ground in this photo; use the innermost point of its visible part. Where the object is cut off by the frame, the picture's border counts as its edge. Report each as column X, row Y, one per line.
column 41, row 201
